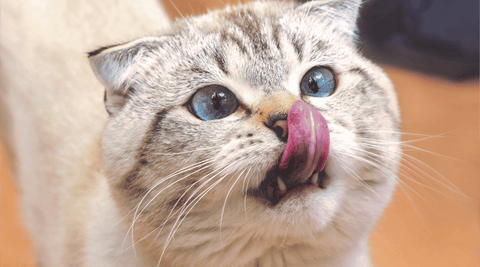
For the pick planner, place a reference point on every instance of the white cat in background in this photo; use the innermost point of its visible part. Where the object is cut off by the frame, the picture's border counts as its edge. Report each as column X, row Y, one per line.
column 242, row 137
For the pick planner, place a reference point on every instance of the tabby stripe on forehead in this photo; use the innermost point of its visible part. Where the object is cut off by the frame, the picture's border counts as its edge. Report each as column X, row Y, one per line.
column 227, row 36
column 197, row 69
column 130, row 181
column 276, row 38
column 220, row 62
column 298, row 47
column 249, row 23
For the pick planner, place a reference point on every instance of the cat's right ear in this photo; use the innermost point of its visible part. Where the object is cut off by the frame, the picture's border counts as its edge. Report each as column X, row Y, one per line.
column 118, row 66
column 343, row 12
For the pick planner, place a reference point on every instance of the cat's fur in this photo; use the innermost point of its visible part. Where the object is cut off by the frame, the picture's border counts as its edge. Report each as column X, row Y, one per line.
column 159, row 158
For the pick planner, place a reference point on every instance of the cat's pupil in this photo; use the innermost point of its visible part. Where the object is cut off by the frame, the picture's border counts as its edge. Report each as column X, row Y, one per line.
column 312, row 85
column 217, row 99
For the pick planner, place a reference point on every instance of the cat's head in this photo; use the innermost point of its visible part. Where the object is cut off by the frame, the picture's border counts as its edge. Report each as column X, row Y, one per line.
column 253, row 129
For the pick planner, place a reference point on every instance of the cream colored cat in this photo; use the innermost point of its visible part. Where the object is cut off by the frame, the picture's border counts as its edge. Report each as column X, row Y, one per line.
column 235, row 138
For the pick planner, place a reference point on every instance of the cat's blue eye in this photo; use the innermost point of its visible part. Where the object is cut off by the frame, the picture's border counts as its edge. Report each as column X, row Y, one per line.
column 213, row 102
column 318, row 82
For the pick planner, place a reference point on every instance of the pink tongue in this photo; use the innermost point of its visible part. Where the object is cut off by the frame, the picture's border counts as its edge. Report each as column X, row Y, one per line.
column 308, row 142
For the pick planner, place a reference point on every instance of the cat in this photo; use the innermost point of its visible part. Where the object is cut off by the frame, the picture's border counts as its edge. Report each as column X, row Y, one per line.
column 238, row 138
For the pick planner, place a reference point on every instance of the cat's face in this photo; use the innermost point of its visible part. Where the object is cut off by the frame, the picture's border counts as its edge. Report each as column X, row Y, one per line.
column 201, row 122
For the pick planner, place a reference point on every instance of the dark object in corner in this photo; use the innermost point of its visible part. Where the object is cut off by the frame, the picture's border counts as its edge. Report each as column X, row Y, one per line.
column 436, row 37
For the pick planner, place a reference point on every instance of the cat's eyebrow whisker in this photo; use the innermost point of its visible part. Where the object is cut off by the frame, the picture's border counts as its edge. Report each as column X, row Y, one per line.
column 184, row 19
column 193, row 29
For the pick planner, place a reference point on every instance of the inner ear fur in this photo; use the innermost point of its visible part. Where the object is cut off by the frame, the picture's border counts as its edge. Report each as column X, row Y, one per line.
column 116, row 67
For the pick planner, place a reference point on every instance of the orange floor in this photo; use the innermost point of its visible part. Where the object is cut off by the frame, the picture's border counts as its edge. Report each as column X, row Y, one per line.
column 428, row 223
column 16, row 249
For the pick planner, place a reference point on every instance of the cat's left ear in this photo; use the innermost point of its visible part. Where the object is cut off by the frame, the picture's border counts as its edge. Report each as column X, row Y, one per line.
column 344, row 13
column 118, row 66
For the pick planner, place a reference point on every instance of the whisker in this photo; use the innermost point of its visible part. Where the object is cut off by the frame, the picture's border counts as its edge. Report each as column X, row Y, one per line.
column 170, row 215
column 406, row 133
column 372, row 156
column 225, row 203
column 404, row 144
column 192, row 204
column 245, row 193
column 284, row 236
column 433, row 153
column 178, row 222
column 384, row 171
column 187, row 152
column 345, row 167
column 458, row 191
column 185, row 169
column 204, row 165
column 419, row 215
column 376, row 165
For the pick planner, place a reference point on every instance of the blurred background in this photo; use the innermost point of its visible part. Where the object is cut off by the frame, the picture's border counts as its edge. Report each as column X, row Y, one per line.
column 430, row 51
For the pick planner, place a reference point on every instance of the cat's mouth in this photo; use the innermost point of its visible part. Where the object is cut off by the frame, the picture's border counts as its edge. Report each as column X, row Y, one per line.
column 301, row 167
column 277, row 186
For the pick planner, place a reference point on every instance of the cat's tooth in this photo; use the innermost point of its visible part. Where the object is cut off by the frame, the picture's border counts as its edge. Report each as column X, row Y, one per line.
column 281, row 184
column 315, row 178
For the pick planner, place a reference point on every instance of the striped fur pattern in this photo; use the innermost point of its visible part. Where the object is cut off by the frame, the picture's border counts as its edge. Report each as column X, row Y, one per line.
column 187, row 187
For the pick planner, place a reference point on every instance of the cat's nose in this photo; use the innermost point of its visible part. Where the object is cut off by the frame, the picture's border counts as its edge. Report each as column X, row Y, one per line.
column 273, row 113
column 280, row 128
